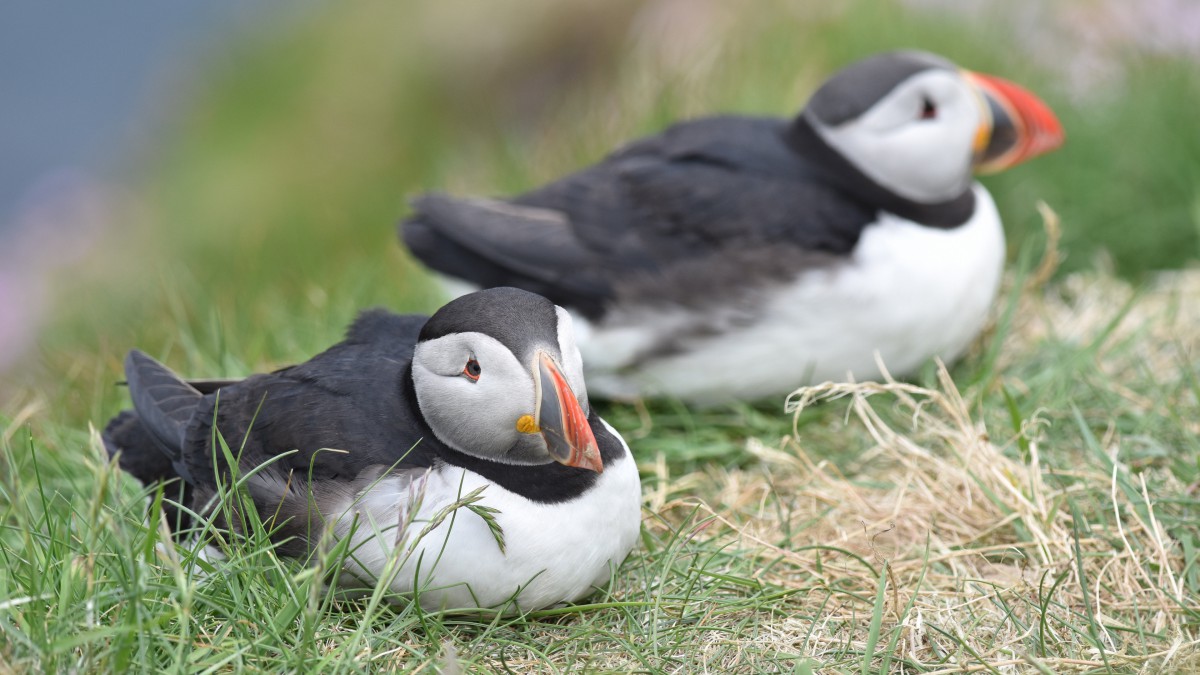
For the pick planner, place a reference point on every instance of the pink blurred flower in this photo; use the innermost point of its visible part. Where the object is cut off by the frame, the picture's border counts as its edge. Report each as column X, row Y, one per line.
column 55, row 225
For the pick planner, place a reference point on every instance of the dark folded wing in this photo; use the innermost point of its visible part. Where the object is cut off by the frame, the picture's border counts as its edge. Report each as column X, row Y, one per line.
column 337, row 414
column 493, row 243
column 702, row 192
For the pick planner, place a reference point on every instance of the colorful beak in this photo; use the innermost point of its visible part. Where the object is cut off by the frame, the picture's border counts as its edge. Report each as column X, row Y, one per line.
column 1017, row 125
column 561, row 420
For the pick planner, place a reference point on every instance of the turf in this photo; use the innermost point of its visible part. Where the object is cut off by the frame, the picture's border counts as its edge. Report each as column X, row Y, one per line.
column 1033, row 508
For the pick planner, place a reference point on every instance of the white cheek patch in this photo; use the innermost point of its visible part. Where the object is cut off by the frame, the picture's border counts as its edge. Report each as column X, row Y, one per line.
column 924, row 160
column 475, row 417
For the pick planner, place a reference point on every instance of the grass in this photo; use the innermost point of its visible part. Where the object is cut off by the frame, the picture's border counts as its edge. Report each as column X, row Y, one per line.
column 951, row 541
column 1033, row 509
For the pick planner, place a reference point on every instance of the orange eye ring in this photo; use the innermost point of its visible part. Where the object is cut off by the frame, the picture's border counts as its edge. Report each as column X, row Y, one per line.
column 472, row 371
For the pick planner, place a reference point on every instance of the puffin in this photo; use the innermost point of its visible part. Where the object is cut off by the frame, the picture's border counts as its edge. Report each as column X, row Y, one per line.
column 457, row 455
column 739, row 257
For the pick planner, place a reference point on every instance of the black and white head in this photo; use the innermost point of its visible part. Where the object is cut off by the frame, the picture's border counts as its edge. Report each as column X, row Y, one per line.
column 917, row 125
column 498, row 376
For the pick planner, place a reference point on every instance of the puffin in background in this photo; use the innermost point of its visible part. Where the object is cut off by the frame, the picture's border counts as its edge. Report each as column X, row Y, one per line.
column 388, row 428
column 736, row 257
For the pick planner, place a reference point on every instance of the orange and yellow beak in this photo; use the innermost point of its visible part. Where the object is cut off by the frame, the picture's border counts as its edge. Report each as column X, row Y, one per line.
column 1017, row 125
column 560, row 419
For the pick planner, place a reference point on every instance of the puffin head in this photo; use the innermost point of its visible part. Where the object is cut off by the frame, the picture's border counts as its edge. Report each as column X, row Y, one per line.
column 497, row 376
column 917, row 125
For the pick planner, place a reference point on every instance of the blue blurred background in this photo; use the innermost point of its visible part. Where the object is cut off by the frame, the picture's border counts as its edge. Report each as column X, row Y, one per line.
column 82, row 82
column 87, row 88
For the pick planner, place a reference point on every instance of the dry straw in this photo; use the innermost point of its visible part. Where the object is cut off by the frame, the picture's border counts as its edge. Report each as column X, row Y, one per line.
column 982, row 545
column 995, row 560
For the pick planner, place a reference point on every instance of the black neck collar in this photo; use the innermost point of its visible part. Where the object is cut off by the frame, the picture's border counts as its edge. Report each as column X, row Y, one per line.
column 547, row 483
column 806, row 142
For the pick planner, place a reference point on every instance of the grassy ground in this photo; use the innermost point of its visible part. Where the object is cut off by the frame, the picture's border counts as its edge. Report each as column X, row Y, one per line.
column 1033, row 509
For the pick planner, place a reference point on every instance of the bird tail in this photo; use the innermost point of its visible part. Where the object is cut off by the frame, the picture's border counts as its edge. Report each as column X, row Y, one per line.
column 164, row 402
column 148, row 440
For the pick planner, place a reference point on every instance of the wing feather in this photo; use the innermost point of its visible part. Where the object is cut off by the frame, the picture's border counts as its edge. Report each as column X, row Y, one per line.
column 703, row 192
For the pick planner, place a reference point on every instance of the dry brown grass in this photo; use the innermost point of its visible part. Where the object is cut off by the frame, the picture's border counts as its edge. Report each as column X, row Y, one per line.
column 996, row 560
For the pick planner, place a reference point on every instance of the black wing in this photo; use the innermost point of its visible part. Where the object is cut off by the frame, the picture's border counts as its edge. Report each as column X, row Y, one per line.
column 703, row 194
column 353, row 398
column 333, row 424
column 343, row 411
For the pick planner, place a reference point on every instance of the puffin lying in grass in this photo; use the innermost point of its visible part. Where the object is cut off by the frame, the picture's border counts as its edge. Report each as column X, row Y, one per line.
column 739, row 257
column 375, row 438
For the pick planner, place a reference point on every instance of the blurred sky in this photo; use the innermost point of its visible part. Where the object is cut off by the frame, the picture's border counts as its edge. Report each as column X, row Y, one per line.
column 81, row 87
column 77, row 78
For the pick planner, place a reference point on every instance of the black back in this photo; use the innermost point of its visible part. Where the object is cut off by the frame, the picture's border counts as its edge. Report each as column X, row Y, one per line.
column 714, row 203
column 347, row 398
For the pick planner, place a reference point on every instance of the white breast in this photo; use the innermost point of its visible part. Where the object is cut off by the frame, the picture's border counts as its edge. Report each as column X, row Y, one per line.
column 553, row 552
column 909, row 292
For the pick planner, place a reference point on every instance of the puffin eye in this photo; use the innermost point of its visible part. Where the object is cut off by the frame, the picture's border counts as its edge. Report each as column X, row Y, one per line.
column 928, row 110
column 472, row 370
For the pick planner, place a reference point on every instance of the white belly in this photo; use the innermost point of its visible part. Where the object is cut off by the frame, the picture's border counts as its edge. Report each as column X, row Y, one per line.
column 553, row 552
column 909, row 292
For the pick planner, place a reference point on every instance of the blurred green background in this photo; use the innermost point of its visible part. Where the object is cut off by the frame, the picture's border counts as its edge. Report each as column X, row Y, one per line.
column 261, row 218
